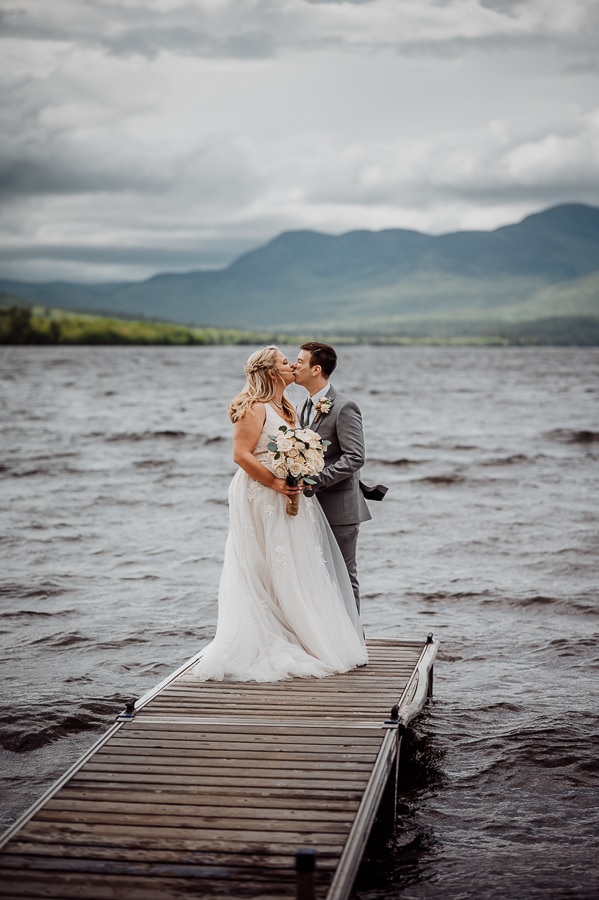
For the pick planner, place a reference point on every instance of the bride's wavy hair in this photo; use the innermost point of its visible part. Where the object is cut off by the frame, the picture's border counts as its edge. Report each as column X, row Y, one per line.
column 261, row 372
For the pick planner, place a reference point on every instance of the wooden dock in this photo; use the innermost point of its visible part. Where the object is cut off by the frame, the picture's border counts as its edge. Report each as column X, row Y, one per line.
column 211, row 789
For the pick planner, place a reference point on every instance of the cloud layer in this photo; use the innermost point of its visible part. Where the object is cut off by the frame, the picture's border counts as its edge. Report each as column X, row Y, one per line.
column 149, row 135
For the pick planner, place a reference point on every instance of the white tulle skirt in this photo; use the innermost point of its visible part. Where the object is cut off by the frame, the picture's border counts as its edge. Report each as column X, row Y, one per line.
column 285, row 602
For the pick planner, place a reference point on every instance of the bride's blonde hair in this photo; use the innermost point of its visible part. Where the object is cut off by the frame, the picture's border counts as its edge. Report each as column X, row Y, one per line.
column 261, row 385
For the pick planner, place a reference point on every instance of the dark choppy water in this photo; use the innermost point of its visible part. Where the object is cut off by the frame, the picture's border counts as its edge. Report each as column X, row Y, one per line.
column 113, row 476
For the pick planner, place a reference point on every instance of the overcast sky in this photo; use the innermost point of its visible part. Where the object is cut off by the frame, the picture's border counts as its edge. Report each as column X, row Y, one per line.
column 143, row 136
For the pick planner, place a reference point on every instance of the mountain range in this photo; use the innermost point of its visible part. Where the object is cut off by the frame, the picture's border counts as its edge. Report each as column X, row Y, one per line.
column 546, row 266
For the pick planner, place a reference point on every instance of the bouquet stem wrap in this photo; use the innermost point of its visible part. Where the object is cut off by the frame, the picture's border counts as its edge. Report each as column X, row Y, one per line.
column 293, row 502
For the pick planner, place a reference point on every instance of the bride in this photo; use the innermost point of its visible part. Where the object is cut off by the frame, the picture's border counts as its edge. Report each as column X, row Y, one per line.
column 285, row 603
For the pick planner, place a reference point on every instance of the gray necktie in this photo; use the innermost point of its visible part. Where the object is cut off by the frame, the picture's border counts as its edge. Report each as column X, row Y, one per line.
column 307, row 411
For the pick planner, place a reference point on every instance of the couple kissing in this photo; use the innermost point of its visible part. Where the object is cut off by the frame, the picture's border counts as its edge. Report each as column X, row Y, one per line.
column 288, row 599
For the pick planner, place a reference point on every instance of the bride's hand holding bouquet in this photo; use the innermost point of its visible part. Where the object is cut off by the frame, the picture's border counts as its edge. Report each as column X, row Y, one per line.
column 296, row 454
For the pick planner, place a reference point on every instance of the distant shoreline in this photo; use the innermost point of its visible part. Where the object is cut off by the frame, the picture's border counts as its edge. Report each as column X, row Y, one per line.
column 39, row 326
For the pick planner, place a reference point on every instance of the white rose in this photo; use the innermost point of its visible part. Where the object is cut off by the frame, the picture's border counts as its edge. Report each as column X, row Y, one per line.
column 295, row 469
column 317, row 462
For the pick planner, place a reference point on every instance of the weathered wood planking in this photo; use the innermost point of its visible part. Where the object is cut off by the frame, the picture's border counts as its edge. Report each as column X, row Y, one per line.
column 212, row 788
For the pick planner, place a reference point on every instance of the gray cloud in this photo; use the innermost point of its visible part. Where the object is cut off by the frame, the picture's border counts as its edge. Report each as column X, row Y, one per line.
column 150, row 42
column 258, row 29
column 55, row 170
column 460, row 47
column 184, row 35
column 502, row 5
column 162, row 258
column 182, row 133
column 524, row 163
column 338, row 2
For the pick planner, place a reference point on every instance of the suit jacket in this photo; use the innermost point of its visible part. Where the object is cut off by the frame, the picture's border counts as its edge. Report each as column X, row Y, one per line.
column 338, row 485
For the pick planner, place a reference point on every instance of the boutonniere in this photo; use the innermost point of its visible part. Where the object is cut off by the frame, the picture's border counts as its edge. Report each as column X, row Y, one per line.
column 324, row 406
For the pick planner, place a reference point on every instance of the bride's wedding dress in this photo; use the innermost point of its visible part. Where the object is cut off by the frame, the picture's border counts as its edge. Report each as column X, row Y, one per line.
column 285, row 604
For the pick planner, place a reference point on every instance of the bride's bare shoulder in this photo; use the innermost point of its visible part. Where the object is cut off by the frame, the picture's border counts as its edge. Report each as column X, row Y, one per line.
column 257, row 411
column 254, row 415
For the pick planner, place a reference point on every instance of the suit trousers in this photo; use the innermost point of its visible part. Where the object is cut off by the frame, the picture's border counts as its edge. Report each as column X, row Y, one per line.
column 347, row 538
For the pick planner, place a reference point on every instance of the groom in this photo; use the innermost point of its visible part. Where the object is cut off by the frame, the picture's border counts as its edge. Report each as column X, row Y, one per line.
column 337, row 419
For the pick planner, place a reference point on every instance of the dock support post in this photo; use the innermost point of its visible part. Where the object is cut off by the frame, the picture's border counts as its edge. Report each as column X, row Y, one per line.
column 429, row 686
column 305, row 864
column 401, row 730
column 393, row 721
column 129, row 712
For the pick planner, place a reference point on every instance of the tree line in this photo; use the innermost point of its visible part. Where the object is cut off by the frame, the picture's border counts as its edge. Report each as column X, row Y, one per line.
column 20, row 324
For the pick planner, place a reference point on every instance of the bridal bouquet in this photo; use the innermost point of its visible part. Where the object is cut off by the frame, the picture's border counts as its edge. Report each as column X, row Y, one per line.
column 296, row 454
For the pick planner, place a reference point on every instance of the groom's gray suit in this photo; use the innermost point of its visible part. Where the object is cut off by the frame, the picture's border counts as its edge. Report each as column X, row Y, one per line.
column 338, row 485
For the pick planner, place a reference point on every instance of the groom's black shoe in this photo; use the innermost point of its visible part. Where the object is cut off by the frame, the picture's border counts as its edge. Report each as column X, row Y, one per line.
column 373, row 492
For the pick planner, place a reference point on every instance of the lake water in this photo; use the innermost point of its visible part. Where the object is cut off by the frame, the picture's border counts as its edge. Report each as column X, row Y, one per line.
column 113, row 482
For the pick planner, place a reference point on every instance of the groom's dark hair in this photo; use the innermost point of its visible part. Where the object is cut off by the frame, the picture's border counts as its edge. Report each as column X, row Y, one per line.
column 322, row 355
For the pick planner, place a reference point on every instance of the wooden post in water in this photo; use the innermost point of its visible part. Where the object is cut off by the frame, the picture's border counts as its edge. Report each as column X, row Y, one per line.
column 305, row 864
column 429, row 692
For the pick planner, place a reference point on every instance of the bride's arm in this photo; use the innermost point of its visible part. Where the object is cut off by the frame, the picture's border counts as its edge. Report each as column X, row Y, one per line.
column 246, row 432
